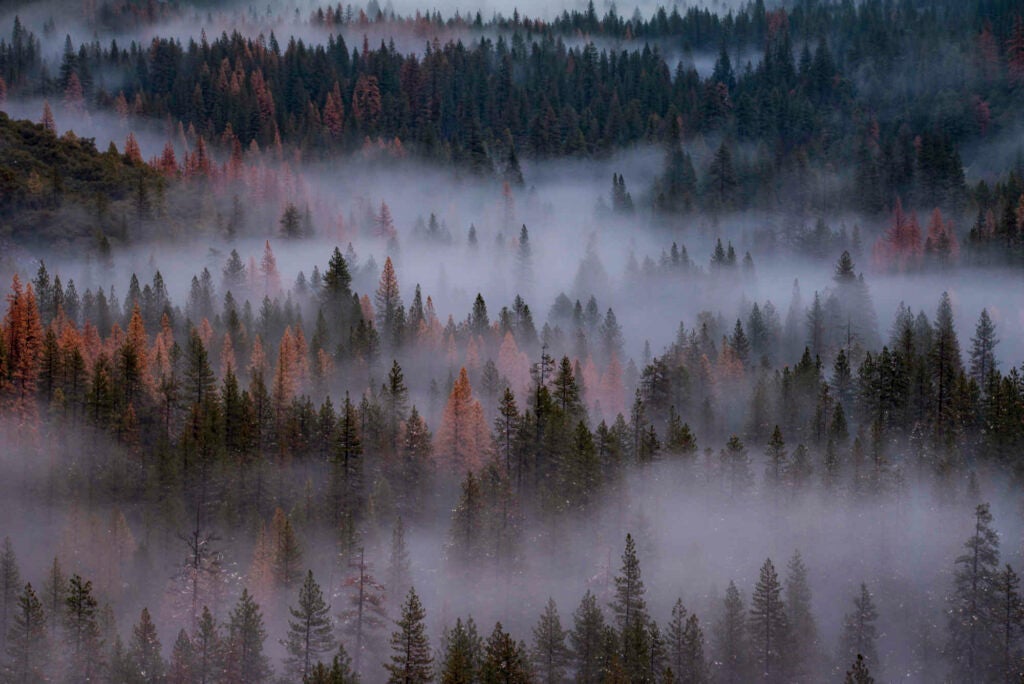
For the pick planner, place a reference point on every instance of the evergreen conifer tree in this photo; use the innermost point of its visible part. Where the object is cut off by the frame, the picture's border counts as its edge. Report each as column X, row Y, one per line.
column 411, row 660
column 310, row 632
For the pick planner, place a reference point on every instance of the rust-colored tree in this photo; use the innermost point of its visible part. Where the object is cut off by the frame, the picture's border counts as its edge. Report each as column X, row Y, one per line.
column 121, row 107
column 900, row 247
column 132, row 150
column 74, row 95
column 268, row 270
column 613, row 399
column 284, row 376
column 384, row 225
column 22, row 349
column 513, row 364
column 168, row 161
column 47, row 121
column 462, row 441
column 334, row 112
column 941, row 244
column 366, row 104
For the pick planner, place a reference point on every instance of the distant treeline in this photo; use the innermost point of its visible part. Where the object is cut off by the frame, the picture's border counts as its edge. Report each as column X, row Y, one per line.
column 831, row 86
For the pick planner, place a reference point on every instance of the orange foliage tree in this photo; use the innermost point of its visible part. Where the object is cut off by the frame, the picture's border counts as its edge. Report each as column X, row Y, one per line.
column 20, row 352
column 463, row 439
column 900, row 247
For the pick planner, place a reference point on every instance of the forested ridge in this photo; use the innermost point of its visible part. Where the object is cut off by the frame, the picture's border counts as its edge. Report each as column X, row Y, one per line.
column 794, row 95
column 329, row 353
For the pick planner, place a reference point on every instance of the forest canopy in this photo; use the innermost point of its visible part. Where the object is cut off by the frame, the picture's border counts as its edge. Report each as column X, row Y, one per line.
column 366, row 344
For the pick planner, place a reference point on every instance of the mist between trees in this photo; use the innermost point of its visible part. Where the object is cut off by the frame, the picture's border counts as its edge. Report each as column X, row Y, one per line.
column 535, row 355
column 176, row 468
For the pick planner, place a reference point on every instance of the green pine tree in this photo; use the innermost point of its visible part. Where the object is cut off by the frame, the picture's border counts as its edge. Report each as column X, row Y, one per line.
column 310, row 632
column 411, row 660
column 860, row 635
column 550, row 656
column 973, row 602
column 505, row 661
column 28, row 641
column 859, row 673
column 587, row 641
column 244, row 657
column 82, row 641
column 769, row 627
column 208, row 650
column 339, row 672
column 802, row 627
column 461, row 653
column 144, row 650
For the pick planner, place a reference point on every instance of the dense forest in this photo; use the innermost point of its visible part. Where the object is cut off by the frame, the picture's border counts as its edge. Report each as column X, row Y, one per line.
column 352, row 344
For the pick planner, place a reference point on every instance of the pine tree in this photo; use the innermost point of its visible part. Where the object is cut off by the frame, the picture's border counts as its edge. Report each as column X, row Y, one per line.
column 119, row 666
column 365, row 616
column 802, row 628
column 505, row 661
column 1009, row 624
column 630, row 612
column 82, row 639
column 10, row 585
column 200, row 382
column 739, row 342
column 721, row 177
column 973, row 602
column 208, row 650
column 859, row 674
column 581, row 470
column 339, row 672
column 287, row 554
column 291, row 222
column 946, row 367
column 28, row 648
column 270, row 277
column 411, row 661
column 777, row 463
column 179, row 669
column 22, row 342
column 233, row 274
column 390, row 314
column 629, row 606
column 461, row 653
column 983, row 344
column 859, row 635
column 55, row 591
column 587, row 641
column 244, row 659
column 395, row 400
column 347, row 466
column 466, row 537
column 524, row 257
column 769, row 627
column 47, row 121
column 550, row 655
column 686, row 647
column 462, row 438
column 309, row 629
column 144, row 650
column 731, row 651
column 415, row 465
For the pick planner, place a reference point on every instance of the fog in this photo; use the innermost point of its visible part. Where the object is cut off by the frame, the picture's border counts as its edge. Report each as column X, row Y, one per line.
column 879, row 501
